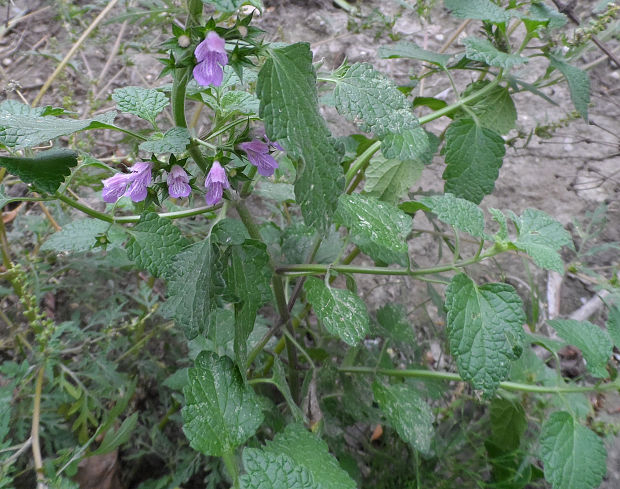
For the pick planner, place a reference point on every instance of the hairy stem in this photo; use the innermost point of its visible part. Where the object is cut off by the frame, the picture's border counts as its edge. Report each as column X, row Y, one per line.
column 457, row 105
column 129, row 219
column 509, row 386
column 317, row 269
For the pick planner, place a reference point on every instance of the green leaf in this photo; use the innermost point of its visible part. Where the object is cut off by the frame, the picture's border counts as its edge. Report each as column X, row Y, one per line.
column 474, row 156
column 460, row 213
column 238, row 101
column 411, row 50
column 341, row 311
column 482, row 50
column 279, row 380
column 265, row 470
column 578, row 84
column 495, row 111
column 477, row 9
column 280, row 192
column 146, row 103
column 573, row 456
column 378, row 228
column 409, row 144
column 484, row 327
column 221, row 412
column 174, row 140
column 499, row 218
column 229, row 6
column 594, row 343
column 248, row 279
column 613, row 325
column 389, row 180
column 77, row 236
column 289, row 108
column 393, row 320
column 407, row 413
column 508, row 423
column 47, row 170
column 542, row 237
column 192, row 287
column 4, row 198
column 369, row 98
column 309, row 451
column 541, row 12
column 28, row 129
column 117, row 437
column 154, row 241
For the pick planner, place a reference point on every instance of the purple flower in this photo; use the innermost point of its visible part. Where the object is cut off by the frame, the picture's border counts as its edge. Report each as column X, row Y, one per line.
column 178, row 182
column 138, row 180
column 211, row 56
column 115, row 187
column 258, row 154
column 215, row 183
column 141, row 178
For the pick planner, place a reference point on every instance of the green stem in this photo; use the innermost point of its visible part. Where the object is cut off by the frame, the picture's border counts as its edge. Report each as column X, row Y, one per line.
column 231, row 465
column 129, row 219
column 449, row 376
column 457, row 105
column 360, row 161
column 318, row 269
column 224, row 129
column 278, row 291
column 204, row 143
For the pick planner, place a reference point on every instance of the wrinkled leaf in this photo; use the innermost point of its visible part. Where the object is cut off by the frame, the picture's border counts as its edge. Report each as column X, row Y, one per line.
column 154, row 241
column 407, row 412
column 477, row 9
column 265, row 470
column 47, row 170
column 192, row 287
column 460, row 213
column 389, row 180
column 289, row 108
column 578, row 84
column 221, row 412
column 341, row 311
column 309, row 451
column 573, row 456
column 146, row 103
column 482, row 50
column 378, row 228
column 542, row 237
column 594, row 343
column 474, row 156
column 174, row 140
column 247, row 278
column 485, row 328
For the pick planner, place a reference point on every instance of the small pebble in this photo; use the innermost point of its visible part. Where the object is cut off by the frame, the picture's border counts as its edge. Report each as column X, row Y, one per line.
column 439, row 37
column 7, row 61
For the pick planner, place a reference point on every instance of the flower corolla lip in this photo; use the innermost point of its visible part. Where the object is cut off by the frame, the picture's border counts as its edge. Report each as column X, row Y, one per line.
column 141, row 173
column 115, row 187
column 211, row 56
column 137, row 180
column 178, row 182
column 215, row 183
column 258, row 154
